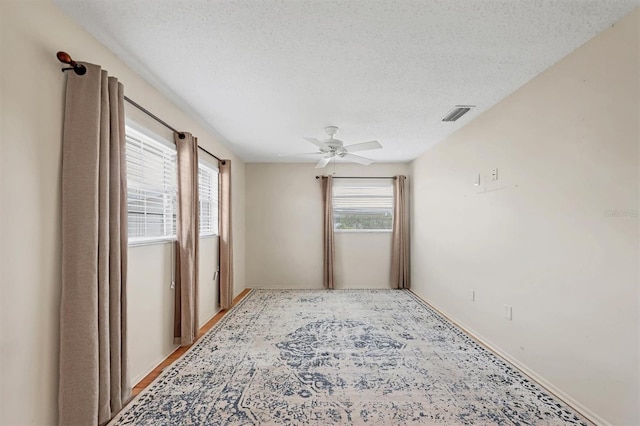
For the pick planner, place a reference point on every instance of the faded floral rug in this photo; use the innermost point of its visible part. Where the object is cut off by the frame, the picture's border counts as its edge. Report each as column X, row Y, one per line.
column 341, row 357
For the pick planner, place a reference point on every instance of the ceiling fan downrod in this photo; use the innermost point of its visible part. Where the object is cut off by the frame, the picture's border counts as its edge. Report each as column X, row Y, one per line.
column 331, row 131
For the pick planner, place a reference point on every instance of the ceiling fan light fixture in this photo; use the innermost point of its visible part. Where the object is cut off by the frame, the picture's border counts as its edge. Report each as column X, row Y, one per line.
column 457, row 112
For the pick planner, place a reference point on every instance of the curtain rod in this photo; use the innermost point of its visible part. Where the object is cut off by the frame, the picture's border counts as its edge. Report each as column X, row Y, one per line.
column 361, row 177
column 164, row 123
column 81, row 70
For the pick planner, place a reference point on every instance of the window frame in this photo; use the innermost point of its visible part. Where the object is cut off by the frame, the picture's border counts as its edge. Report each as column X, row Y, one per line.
column 364, row 183
column 138, row 132
column 215, row 200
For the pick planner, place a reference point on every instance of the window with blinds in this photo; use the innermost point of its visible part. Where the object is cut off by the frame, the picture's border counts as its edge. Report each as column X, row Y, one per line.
column 151, row 195
column 152, row 190
column 362, row 204
column 208, row 199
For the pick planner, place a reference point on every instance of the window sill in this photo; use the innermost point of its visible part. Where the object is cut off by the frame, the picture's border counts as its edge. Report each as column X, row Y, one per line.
column 151, row 241
column 154, row 241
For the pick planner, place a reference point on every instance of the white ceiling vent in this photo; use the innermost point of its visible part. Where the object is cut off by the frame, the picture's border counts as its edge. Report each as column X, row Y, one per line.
column 457, row 112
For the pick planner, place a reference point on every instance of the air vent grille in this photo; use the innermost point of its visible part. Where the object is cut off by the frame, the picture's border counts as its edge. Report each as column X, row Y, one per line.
column 457, row 112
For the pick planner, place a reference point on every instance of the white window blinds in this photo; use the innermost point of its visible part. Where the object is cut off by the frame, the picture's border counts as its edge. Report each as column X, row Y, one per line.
column 208, row 199
column 151, row 197
column 362, row 204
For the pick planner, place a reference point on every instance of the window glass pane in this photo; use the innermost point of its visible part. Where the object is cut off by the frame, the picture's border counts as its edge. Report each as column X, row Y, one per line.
column 362, row 204
column 208, row 199
column 151, row 194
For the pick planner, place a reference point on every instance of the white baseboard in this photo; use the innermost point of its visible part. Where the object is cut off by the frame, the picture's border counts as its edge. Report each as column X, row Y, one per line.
column 549, row 387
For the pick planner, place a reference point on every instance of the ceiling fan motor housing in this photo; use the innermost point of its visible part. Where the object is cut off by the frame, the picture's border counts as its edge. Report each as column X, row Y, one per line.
column 333, row 146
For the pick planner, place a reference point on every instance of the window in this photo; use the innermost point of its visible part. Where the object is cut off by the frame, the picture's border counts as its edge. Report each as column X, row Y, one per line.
column 208, row 199
column 151, row 195
column 152, row 189
column 362, row 204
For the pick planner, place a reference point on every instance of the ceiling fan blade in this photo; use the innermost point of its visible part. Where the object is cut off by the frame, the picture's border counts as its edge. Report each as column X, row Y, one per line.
column 315, row 141
column 357, row 159
column 363, row 146
column 302, row 154
column 323, row 162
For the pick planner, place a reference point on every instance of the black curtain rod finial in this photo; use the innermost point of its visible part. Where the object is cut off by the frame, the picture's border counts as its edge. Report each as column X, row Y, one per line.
column 78, row 69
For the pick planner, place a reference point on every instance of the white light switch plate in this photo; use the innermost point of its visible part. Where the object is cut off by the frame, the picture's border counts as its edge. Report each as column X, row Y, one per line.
column 508, row 312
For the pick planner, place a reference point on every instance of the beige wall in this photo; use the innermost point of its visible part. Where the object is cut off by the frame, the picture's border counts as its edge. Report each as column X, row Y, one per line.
column 150, row 307
column 207, row 285
column 151, row 301
column 363, row 259
column 31, row 114
column 556, row 236
column 284, row 229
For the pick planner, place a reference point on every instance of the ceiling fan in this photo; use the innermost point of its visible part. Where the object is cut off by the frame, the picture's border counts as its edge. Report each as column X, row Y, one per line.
column 333, row 148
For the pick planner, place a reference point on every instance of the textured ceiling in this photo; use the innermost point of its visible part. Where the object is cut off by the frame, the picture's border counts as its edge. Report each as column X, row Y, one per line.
column 262, row 74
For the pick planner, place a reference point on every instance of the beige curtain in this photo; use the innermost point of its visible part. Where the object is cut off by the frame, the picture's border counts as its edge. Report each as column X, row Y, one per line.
column 225, row 240
column 327, row 232
column 400, row 236
column 188, row 233
column 93, row 384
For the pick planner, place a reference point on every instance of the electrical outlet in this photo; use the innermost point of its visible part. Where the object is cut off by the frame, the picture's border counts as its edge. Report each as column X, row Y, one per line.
column 494, row 174
column 508, row 312
column 472, row 295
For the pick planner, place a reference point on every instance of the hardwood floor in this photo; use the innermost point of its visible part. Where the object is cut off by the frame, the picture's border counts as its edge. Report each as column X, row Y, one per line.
column 181, row 350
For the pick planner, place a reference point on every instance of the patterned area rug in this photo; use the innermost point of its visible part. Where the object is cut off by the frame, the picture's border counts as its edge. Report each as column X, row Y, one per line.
column 347, row 357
